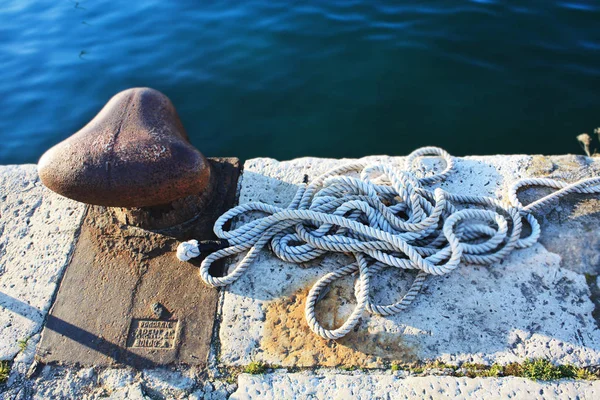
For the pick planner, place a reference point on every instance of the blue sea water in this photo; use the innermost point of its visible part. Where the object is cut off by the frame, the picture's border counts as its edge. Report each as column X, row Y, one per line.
column 336, row 78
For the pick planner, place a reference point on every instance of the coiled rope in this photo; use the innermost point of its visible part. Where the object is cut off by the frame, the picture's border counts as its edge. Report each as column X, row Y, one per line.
column 386, row 217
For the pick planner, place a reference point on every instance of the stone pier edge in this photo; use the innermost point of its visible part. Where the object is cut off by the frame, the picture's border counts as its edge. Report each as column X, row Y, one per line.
column 27, row 378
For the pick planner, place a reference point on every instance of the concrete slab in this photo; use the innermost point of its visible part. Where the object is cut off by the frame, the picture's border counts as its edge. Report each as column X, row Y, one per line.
column 125, row 297
column 536, row 303
column 37, row 233
column 389, row 386
column 56, row 382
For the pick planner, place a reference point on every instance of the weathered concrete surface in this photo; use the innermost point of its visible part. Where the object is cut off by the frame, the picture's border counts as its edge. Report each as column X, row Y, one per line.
column 572, row 227
column 53, row 382
column 389, row 386
column 540, row 301
column 37, row 233
column 536, row 303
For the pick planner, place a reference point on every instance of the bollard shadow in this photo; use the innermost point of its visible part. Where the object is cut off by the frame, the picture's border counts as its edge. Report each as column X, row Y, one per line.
column 526, row 304
column 75, row 333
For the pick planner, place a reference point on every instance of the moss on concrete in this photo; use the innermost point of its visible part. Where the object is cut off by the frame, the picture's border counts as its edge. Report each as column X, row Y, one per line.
column 255, row 368
column 535, row 369
column 23, row 343
column 4, row 371
column 396, row 367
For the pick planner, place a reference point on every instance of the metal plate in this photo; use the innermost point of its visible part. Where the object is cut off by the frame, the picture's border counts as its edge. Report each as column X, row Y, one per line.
column 105, row 312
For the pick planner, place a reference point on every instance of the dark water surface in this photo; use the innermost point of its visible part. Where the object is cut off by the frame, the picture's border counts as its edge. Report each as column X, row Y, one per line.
column 337, row 78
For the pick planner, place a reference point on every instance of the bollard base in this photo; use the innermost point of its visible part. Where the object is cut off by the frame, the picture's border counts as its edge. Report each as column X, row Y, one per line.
column 126, row 299
column 181, row 217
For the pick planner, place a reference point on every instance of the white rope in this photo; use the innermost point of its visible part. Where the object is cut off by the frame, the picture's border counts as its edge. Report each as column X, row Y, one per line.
column 386, row 217
column 188, row 250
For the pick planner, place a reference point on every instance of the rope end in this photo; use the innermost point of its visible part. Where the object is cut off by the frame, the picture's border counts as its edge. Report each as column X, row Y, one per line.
column 192, row 248
column 188, row 250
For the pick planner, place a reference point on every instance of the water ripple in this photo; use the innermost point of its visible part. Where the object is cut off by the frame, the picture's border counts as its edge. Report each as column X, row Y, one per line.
column 578, row 6
column 318, row 77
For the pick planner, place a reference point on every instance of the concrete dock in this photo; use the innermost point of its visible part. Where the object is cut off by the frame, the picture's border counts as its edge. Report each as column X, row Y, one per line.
column 540, row 303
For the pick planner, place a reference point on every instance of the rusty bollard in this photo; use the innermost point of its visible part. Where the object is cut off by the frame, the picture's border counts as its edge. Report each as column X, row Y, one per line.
column 135, row 157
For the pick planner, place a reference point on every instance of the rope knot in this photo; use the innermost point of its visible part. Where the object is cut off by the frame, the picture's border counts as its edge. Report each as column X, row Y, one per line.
column 188, row 250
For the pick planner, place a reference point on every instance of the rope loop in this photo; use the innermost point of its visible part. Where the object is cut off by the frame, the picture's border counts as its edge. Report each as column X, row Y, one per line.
column 384, row 217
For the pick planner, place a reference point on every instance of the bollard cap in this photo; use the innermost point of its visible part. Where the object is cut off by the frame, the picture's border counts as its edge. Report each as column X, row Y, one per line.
column 134, row 153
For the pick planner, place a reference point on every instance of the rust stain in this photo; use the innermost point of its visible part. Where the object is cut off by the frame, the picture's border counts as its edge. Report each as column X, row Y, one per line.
column 586, row 208
column 288, row 341
column 542, row 166
column 112, row 240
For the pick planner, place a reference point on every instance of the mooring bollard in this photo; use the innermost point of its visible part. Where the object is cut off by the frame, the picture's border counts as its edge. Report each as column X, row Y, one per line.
column 123, row 287
column 134, row 156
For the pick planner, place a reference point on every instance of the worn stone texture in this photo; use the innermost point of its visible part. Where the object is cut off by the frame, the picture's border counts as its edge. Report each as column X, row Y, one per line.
column 55, row 382
column 389, row 386
column 572, row 226
column 536, row 303
column 38, row 229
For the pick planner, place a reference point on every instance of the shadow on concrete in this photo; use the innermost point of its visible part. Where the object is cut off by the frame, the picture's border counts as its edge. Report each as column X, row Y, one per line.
column 75, row 333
